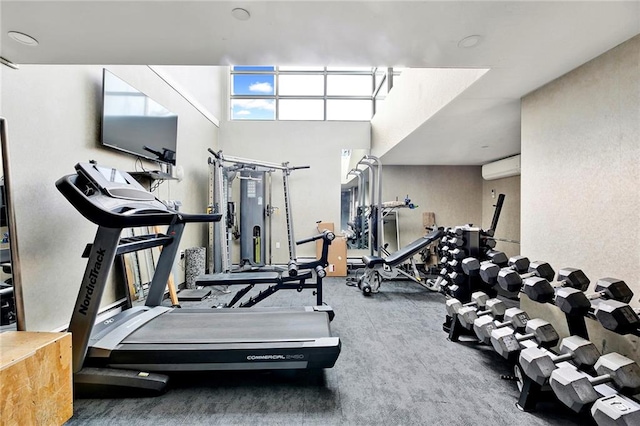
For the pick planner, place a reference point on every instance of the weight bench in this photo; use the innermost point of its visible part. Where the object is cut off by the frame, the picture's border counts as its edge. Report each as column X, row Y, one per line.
column 390, row 267
column 278, row 280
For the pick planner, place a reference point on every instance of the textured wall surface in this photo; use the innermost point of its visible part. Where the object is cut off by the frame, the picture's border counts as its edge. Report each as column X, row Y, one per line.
column 581, row 171
column 581, row 168
column 453, row 193
column 54, row 118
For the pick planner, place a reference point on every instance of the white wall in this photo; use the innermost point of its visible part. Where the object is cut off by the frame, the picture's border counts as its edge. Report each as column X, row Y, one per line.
column 53, row 114
column 416, row 96
column 204, row 84
column 315, row 193
column 581, row 172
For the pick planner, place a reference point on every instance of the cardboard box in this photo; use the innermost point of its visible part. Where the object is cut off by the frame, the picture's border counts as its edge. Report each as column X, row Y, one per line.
column 337, row 256
column 428, row 219
column 325, row 225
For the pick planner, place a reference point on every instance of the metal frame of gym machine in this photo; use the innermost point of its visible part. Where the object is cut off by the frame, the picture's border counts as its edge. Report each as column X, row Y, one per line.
column 378, row 268
column 374, row 166
column 277, row 278
column 382, row 271
column 358, row 204
column 222, row 194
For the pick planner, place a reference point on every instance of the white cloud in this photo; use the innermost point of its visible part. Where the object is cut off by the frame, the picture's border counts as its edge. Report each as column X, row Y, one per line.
column 264, row 104
column 265, row 87
column 243, row 112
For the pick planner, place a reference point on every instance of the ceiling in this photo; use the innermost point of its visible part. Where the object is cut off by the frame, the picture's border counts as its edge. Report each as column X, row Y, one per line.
column 525, row 44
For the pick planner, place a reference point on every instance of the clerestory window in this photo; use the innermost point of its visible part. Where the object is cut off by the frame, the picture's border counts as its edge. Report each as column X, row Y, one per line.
column 307, row 93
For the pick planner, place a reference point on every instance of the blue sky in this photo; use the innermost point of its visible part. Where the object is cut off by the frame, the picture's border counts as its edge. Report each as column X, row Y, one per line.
column 253, row 84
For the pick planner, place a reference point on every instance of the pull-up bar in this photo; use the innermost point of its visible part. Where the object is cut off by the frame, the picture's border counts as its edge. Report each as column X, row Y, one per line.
column 258, row 163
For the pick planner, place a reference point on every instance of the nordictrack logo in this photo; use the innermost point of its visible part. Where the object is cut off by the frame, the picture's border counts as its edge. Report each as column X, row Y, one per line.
column 93, row 278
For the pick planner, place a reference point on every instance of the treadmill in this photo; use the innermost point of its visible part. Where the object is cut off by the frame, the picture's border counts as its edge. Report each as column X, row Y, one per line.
column 131, row 352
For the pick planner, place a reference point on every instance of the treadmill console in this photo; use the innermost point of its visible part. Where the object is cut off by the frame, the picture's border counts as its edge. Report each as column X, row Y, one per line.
column 113, row 198
column 113, row 182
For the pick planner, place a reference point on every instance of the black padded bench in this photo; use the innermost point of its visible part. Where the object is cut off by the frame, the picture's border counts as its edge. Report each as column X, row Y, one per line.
column 404, row 253
column 275, row 280
column 239, row 278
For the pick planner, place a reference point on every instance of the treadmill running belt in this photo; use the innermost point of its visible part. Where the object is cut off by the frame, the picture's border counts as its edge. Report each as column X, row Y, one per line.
column 179, row 326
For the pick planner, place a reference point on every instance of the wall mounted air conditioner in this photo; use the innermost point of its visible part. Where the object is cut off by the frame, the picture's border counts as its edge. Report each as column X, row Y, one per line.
column 502, row 168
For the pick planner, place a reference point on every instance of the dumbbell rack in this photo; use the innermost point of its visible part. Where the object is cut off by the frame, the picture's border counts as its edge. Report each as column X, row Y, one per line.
column 469, row 240
column 530, row 392
column 617, row 316
column 454, row 327
column 612, row 310
column 472, row 242
column 470, row 246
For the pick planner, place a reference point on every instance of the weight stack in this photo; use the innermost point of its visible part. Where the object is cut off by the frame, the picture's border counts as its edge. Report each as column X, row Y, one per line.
column 194, row 265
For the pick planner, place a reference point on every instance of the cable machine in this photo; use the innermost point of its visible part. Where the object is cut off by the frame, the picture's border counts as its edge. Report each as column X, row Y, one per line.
column 253, row 211
column 252, row 217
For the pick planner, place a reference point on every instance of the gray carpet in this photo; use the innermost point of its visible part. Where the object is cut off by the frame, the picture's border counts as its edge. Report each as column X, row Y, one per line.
column 396, row 368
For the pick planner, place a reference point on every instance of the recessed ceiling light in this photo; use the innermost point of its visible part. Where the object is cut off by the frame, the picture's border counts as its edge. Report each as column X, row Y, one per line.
column 23, row 38
column 468, row 42
column 241, row 14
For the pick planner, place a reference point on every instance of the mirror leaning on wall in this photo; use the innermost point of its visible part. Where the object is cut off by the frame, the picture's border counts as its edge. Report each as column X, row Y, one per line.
column 11, row 300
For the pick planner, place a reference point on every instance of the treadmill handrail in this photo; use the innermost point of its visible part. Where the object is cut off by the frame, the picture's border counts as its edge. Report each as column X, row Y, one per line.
column 137, row 215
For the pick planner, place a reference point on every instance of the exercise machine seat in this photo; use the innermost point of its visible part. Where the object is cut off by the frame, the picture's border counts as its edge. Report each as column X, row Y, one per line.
column 372, row 261
column 233, row 278
column 405, row 252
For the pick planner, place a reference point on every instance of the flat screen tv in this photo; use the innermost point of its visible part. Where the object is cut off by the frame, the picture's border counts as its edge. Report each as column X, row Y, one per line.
column 134, row 123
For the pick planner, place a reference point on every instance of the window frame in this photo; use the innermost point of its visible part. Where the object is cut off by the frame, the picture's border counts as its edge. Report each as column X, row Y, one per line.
column 325, row 72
